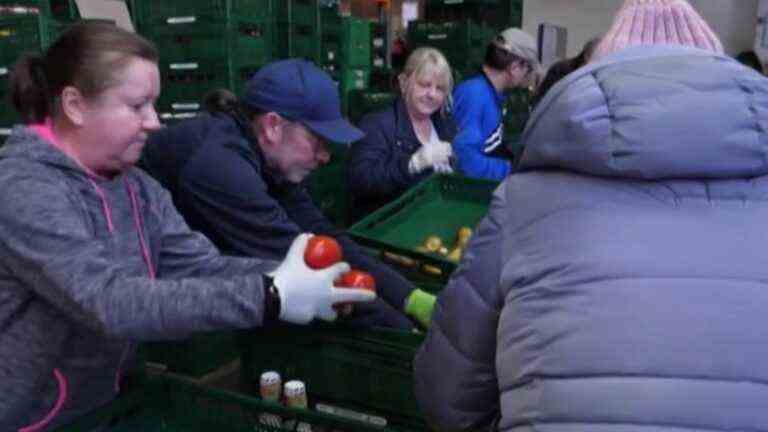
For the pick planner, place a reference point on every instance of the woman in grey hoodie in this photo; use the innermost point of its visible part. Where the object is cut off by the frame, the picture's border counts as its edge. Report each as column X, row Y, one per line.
column 93, row 255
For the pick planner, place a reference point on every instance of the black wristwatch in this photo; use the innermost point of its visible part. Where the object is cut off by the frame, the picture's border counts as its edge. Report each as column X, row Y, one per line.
column 271, row 299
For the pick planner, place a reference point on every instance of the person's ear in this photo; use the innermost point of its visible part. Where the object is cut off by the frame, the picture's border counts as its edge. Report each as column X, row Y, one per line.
column 73, row 105
column 271, row 125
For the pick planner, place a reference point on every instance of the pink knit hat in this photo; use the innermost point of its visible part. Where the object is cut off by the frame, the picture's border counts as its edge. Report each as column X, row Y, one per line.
column 651, row 22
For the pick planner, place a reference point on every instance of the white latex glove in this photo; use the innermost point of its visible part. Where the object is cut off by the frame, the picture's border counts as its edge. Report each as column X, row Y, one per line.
column 430, row 156
column 443, row 168
column 306, row 294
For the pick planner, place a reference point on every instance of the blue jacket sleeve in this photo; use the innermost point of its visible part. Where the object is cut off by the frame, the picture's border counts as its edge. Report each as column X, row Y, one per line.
column 469, row 108
column 374, row 168
column 455, row 372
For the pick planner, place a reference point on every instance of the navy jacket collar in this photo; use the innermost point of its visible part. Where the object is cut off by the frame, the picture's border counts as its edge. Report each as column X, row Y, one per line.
column 404, row 127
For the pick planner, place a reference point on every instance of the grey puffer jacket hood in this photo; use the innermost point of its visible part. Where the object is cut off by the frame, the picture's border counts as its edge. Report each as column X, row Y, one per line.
column 618, row 282
column 90, row 266
column 653, row 113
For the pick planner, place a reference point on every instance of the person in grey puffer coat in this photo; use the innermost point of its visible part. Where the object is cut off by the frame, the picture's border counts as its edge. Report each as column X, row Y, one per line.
column 93, row 255
column 618, row 282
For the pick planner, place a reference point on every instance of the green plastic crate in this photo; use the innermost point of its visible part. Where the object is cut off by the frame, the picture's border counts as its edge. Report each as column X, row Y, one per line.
column 462, row 42
column 330, row 53
column 330, row 37
column 354, row 79
column 327, row 187
column 196, row 356
column 330, row 20
column 294, row 40
column 164, row 403
column 383, row 80
column 378, row 46
column 367, row 371
column 362, row 102
column 51, row 9
column 356, row 43
column 301, row 12
column 164, row 11
column 351, row 80
column 480, row 11
column 27, row 33
column 214, row 40
column 169, row 116
column 187, row 82
column 439, row 205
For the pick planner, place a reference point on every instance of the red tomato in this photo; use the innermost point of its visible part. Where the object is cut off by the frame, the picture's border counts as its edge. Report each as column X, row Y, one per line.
column 321, row 252
column 353, row 279
column 356, row 279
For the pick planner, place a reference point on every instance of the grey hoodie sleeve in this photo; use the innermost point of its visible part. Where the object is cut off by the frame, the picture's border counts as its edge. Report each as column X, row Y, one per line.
column 455, row 373
column 45, row 244
column 189, row 254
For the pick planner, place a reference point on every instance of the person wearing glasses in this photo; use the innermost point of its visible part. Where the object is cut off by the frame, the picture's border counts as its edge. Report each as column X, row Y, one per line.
column 511, row 61
column 238, row 176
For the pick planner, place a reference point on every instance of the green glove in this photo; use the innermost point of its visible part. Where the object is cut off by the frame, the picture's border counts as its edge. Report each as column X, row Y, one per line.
column 420, row 305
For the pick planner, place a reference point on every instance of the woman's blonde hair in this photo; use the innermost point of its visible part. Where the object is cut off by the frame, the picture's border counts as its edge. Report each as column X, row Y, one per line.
column 423, row 61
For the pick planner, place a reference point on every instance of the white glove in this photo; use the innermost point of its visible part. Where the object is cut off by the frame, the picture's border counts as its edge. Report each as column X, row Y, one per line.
column 443, row 168
column 306, row 294
column 431, row 156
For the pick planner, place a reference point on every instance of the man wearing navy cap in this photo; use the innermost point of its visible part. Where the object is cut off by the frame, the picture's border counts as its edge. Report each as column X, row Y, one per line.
column 236, row 176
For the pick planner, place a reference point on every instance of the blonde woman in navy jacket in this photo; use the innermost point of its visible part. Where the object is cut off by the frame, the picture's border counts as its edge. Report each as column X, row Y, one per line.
column 408, row 141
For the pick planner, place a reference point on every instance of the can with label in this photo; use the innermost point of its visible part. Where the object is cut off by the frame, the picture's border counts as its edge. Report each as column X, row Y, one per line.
column 296, row 397
column 270, row 385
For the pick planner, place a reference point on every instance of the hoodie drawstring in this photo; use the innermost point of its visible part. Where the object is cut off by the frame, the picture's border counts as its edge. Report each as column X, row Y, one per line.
column 104, row 206
column 138, row 223
column 63, row 394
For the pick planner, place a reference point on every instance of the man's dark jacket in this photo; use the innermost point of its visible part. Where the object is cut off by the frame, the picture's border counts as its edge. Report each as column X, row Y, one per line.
column 222, row 186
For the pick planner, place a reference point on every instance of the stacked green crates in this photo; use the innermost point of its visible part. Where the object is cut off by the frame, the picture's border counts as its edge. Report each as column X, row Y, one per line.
column 379, row 46
column 297, row 33
column 362, row 102
column 356, row 43
column 499, row 14
column 21, row 33
column 355, row 62
column 153, row 12
column 207, row 45
column 479, row 11
column 462, row 42
column 330, row 41
column 196, row 356
column 62, row 10
column 328, row 186
column 158, row 402
column 369, row 372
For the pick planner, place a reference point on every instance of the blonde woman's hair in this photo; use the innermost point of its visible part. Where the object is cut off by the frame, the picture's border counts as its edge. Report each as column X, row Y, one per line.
column 422, row 61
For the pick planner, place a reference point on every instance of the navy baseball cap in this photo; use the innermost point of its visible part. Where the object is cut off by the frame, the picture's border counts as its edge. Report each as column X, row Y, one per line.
column 299, row 91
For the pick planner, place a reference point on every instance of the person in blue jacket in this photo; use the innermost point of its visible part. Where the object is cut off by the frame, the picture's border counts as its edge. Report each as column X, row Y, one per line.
column 407, row 141
column 511, row 61
column 618, row 283
column 237, row 176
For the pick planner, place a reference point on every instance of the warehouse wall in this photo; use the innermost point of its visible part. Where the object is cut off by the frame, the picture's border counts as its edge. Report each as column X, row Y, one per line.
column 733, row 20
